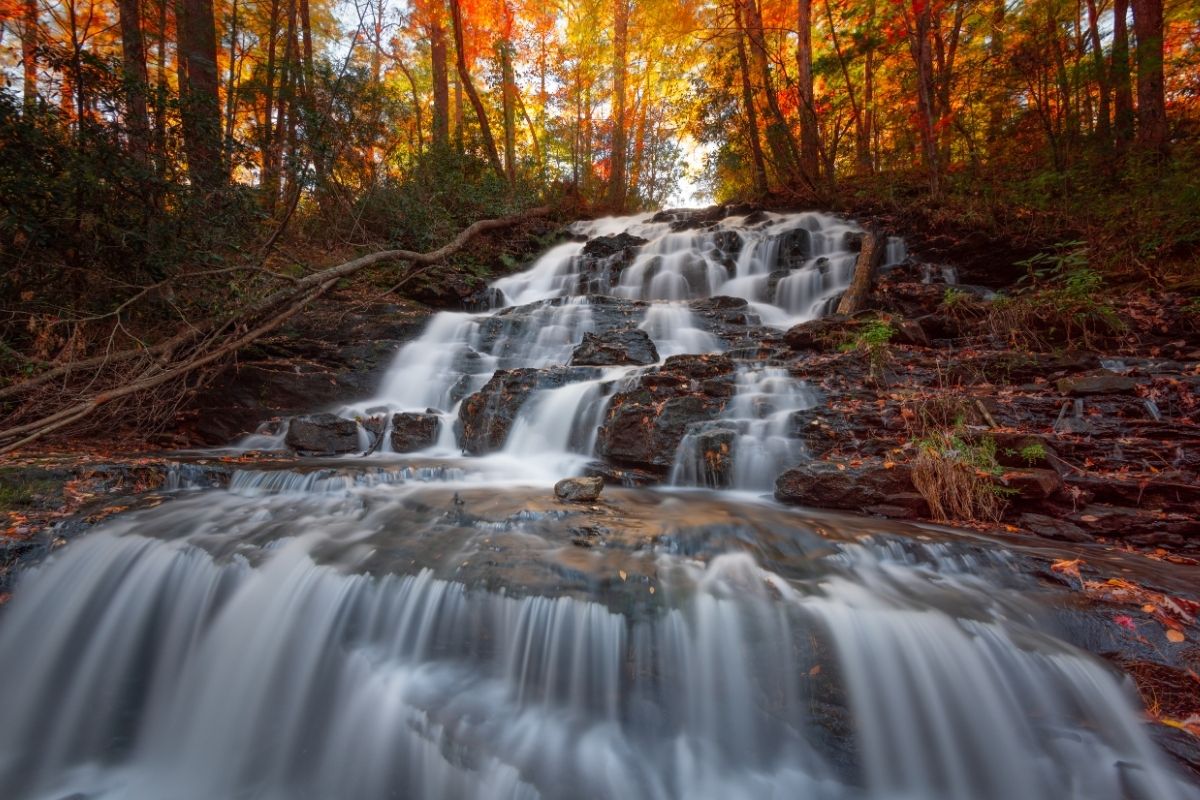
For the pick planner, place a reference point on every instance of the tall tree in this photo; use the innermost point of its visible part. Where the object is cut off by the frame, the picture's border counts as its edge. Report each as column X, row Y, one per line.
column 1103, row 113
column 752, row 132
column 464, row 77
column 441, row 82
column 810, row 143
column 617, row 188
column 1121, row 78
column 199, row 100
column 1151, row 99
column 133, row 63
column 29, row 51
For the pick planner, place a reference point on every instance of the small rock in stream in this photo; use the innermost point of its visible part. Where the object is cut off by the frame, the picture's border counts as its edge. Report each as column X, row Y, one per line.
column 579, row 490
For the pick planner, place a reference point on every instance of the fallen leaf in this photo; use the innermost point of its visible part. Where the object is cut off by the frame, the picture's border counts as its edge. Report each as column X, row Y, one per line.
column 1174, row 635
column 622, row 574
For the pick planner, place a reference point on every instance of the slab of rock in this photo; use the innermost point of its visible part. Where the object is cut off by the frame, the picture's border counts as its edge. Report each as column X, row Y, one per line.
column 579, row 490
column 869, row 488
column 414, row 431
column 614, row 348
column 1097, row 384
column 486, row 417
column 322, row 434
column 1053, row 528
column 825, row 334
column 607, row 246
column 1032, row 484
column 644, row 425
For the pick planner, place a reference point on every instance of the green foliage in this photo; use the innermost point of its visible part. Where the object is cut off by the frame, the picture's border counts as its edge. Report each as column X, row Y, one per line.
column 873, row 339
column 954, row 299
column 957, row 477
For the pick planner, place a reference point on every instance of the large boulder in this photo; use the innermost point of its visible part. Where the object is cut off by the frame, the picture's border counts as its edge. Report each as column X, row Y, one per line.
column 322, row 434
column 414, row 431
column 644, row 424
column 486, row 417
column 579, row 490
column 609, row 246
column 614, row 348
column 874, row 487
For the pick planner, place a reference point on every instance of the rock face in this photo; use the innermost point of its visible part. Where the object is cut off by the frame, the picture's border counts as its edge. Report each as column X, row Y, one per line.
column 486, row 417
column 614, row 348
column 644, row 425
column 609, row 246
column 870, row 488
column 824, row 335
column 1097, row 384
column 413, row 431
column 579, row 490
column 322, row 434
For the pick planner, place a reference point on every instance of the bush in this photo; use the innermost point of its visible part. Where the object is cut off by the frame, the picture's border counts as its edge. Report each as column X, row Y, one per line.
column 958, row 478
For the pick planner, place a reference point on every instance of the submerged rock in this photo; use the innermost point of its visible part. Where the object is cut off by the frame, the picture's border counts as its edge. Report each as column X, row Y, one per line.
column 614, row 348
column 414, row 431
column 579, row 490
column 322, row 434
column 870, row 488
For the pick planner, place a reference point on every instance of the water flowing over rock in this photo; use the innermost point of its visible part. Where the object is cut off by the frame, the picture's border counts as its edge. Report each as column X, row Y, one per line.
column 323, row 434
column 615, row 348
column 412, row 431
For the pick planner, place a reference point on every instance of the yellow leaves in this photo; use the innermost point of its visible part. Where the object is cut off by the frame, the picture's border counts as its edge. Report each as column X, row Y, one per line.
column 1065, row 567
column 622, row 574
column 815, row 671
column 1174, row 635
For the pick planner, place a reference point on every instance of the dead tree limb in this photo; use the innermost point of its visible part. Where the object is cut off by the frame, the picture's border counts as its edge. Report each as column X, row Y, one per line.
column 869, row 258
column 207, row 342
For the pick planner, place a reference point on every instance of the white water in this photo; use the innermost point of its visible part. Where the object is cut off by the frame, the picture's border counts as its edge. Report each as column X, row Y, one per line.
column 356, row 629
column 226, row 662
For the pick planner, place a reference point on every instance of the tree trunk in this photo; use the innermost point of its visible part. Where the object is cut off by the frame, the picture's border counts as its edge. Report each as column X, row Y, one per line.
column 508, row 102
column 617, row 181
column 1122, row 87
column 779, row 136
column 29, row 44
column 810, row 144
column 919, row 47
column 1151, row 101
column 441, row 86
column 133, row 60
column 199, row 94
column 464, row 77
column 756, row 152
column 1103, row 114
column 870, row 257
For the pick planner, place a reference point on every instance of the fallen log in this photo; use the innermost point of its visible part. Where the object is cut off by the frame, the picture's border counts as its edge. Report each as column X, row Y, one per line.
column 870, row 257
column 202, row 344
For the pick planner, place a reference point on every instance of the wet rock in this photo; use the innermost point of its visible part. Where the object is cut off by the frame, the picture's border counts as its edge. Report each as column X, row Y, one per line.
column 622, row 476
column 713, row 450
column 414, row 431
column 644, row 425
column 868, row 488
column 852, row 241
column 1032, row 484
column 616, row 347
column 1109, row 383
column 579, row 490
column 795, row 248
column 486, row 417
column 1053, row 528
column 825, row 334
column 609, row 246
column 322, row 434
column 907, row 331
column 720, row 313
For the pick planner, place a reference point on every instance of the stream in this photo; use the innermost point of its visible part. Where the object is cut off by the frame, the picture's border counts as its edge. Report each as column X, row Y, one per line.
column 435, row 624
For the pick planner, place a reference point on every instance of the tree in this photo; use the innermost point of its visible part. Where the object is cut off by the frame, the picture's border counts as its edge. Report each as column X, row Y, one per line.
column 1151, row 101
column 133, row 63
column 616, row 183
column 464, row 77
column 199, row 100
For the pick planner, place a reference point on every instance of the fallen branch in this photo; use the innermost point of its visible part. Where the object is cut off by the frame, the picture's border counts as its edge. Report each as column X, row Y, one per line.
column 203, row 344
column 869, row 259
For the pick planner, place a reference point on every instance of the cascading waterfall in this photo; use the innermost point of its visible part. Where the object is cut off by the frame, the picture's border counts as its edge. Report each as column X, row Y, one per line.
column 240, row 657
column 440, row 627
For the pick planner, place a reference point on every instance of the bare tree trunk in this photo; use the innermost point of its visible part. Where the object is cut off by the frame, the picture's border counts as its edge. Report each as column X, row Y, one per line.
column 919, row 46
column 133, row 60
column 1122, row 86
column 464, row 77
column 870, row 257
column 756, row 152
column 810, row 144
column 1151, row 101
column 29, row 43
column 201, row 108
column 441, row 86
column 508, row 101
column 1103, row 113
column 779, row 136
column 617, row 182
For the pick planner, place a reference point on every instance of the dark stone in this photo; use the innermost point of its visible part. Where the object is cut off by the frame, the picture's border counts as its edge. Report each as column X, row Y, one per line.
column 644, row 425
column 1053, row 528
column 907, row 331
column 608, row 246
column 1109, row 383
column 616, row 347
column 852, row 241
column 579, row 490
column 824, row 334
column 413, row 431
column 870, row 488
column 1032, row 484
column 486, row 417
column 622, row 476
column 795, row 248
column 322, row 434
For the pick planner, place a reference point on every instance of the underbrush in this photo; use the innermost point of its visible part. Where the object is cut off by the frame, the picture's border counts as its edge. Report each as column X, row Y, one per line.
column 958, row 478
